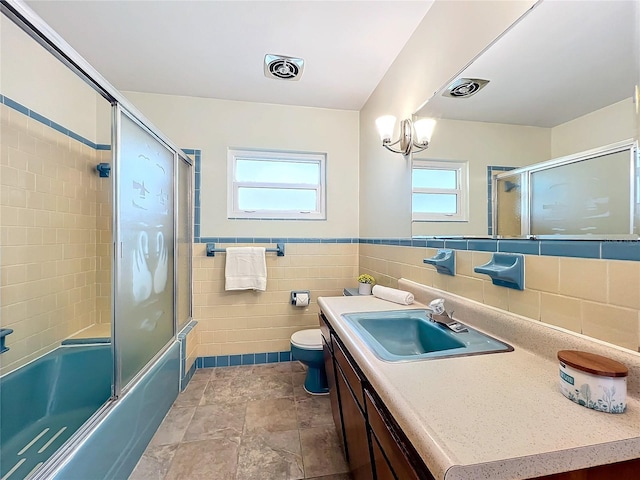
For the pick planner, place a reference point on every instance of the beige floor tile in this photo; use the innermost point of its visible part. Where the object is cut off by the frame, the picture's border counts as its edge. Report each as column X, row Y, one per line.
column 270, row 415
column 275, row 455
column 314, row 411
column 221, row 420
column 321, row 452
column 205, row 460
column 173, row 426
column 154, row 464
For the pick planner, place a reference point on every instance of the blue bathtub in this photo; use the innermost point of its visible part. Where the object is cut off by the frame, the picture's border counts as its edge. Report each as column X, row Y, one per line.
column 46, row 401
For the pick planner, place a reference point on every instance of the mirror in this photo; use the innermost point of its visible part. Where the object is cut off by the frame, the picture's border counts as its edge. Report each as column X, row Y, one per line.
column 561, row 81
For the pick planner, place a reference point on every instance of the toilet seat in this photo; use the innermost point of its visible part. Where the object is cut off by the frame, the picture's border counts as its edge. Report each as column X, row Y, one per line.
column 307, row 339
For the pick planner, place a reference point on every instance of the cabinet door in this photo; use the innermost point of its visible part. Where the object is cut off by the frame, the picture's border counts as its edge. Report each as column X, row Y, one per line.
column 389, row 444
column 383, row 470
column 330, row 369
column 355, row 432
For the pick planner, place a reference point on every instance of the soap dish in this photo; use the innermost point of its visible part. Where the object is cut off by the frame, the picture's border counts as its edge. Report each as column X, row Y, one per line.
column 593, row 381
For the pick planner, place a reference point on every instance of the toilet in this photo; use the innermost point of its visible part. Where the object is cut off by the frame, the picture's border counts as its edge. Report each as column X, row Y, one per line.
column 306, row 347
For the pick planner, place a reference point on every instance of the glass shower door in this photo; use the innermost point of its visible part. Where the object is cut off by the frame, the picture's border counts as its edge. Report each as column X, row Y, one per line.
column 144, row 282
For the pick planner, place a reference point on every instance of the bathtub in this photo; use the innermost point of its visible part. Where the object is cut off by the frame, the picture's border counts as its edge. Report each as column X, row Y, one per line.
column 43, row 403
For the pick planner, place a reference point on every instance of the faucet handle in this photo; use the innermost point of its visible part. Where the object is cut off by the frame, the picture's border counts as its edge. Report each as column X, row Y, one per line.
column 437, row 306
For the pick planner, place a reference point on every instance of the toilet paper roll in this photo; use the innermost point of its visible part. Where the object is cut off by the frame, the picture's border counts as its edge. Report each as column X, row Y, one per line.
column 302, row 300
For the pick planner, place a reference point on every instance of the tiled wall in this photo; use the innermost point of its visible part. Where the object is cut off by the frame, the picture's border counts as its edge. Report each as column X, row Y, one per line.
column 54, row 228
column 594, row 296
column 241, row 322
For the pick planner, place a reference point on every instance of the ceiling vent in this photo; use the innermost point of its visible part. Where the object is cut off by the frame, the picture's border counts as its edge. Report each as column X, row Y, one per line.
column 283, row 68
column 464, row 87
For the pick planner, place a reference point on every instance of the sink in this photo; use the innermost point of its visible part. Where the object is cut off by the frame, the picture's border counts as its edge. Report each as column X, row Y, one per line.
column 407, row 335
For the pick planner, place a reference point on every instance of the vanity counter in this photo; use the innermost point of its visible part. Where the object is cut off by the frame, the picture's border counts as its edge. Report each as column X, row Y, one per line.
column 494, row 416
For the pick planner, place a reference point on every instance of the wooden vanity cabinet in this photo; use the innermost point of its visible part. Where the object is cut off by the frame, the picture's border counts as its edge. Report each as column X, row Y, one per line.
column 374, row 446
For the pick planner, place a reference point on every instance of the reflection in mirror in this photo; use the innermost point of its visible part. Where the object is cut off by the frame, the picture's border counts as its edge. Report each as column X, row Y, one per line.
column 561, row 81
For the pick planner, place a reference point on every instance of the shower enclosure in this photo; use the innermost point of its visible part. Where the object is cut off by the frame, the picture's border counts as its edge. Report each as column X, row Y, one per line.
column 95, row 258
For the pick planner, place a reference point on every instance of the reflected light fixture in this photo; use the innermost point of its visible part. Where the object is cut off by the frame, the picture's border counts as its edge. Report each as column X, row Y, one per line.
column 414, row 137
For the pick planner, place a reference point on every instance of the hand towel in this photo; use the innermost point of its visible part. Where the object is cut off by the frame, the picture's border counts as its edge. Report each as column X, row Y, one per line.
column 392, row 295
column 245, row 269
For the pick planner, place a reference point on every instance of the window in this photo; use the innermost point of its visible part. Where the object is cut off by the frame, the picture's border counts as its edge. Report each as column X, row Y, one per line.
column 276, row 185
column 439, row 191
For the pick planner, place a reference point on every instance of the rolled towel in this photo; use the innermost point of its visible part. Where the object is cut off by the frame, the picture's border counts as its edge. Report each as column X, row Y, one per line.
column 392, row 295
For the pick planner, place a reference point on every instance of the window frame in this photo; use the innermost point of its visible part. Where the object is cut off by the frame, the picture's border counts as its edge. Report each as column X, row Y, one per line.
column 235, row 154
column 461, row 192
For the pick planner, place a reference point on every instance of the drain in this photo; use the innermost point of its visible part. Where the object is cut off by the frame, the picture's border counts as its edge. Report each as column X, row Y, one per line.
column 283, row 68
column 464, row 87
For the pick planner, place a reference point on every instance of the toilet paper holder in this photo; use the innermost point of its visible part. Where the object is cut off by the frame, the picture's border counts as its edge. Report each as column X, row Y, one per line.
column 295, row 293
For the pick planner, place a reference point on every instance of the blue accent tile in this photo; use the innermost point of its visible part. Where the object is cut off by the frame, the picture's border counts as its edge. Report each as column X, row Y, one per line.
column 405, row 243
column 39, row 118
column 103, row 146
column 569, row 248
column 263, row 240
column 285, row 356
column 222, row 361
column 419, row 242
column 272, row 357
column 296, row 240
column 343, row 240
column 260, row 358
column 328, row 240
column 209, row 362
column 199, row 362
column 435, row 243
column 456, row 244
column 75, row 136
column 244, row 240
column 621, row 250
column 235, row 360
column 248, row 359
column 227, row 240
column 483, row 245
column 528, row 247
column 16, row 106
column 59, row 128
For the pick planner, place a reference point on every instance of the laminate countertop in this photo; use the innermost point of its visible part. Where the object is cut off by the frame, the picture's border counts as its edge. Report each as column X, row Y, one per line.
column 494, row 416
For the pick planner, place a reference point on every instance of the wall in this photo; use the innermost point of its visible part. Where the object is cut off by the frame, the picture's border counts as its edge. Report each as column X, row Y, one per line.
column 55, row 213
column 215, row 125
column 74, row 105
column 599, row 298
column 480, row 144
column 608, row 125
column 436, row 51
column 249, row 322
column 596, row 297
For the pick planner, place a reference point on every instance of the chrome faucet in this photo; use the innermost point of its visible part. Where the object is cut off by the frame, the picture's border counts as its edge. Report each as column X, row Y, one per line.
column 440, row 315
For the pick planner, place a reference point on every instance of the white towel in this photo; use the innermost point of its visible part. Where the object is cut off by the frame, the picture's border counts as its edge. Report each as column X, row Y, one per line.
column 245, row 269
column 393, row 295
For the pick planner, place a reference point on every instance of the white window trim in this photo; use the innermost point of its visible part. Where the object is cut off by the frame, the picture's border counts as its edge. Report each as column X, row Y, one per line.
column 233, row 212
column 462, row 176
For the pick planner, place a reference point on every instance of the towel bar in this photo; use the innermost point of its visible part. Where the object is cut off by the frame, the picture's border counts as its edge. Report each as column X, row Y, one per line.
column 211, row 249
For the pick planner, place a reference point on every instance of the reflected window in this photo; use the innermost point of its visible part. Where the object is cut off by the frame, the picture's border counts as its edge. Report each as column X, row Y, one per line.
column 276, row 185
column 439, row 191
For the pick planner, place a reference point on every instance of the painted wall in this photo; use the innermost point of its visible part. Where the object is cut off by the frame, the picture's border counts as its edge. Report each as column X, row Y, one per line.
column 480, row 144
column 432, row 56
column 45, row 85
column 608, row 125
column 215, row 125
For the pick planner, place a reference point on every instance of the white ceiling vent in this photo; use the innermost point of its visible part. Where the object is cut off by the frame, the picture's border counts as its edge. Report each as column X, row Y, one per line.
column 283, row 68
column 464, row 87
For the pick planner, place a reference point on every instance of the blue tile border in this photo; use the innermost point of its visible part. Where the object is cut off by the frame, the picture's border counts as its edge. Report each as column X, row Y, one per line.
column 242, row 359
column 18, row 107
column 560, row 248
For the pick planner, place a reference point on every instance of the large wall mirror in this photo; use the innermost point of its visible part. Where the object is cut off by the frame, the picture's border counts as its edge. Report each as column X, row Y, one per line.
column 561, row 81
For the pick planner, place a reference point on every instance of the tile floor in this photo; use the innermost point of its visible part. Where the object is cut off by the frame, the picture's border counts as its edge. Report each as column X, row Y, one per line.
column 245, row 423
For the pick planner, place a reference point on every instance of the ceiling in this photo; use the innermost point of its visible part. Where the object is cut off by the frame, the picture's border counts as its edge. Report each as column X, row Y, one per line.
column 216, row 49
column 559, row 62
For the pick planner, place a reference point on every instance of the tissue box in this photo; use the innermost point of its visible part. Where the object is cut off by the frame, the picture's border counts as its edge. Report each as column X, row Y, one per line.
column 593, row 381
